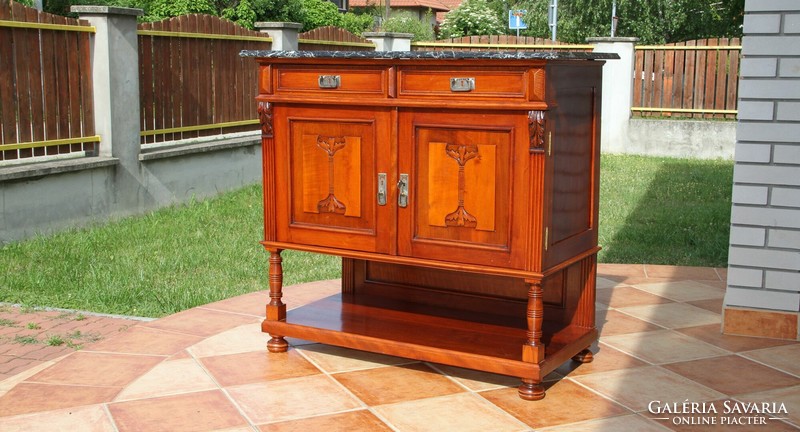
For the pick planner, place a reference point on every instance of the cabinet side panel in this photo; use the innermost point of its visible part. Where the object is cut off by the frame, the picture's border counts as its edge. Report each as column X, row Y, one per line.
column 575, row 163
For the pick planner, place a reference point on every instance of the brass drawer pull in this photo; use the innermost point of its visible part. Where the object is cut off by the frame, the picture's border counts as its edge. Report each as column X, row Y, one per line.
column 462, row 84
column 329, row 81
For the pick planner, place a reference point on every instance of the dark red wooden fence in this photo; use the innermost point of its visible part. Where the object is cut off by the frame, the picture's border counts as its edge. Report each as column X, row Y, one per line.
column 45, row 84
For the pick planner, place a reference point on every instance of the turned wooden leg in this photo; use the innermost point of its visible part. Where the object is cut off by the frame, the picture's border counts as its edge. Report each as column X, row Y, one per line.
column 276, row 310
column 533, row 349
column 584, row 356
column 531, row 390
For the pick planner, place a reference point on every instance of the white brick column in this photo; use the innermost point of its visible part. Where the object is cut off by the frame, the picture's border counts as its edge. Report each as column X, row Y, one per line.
column 763, row 293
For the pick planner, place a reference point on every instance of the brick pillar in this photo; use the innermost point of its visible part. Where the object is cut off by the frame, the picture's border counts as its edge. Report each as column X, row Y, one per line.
column 763, row 292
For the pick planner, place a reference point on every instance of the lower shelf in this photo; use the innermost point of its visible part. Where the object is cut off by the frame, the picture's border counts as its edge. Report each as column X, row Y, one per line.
column 414, row 331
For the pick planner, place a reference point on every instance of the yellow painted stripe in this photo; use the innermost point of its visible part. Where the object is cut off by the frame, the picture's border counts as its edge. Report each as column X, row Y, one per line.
column 45, row 26
column 49, row 143
column 199, row 127
column 689, row 48
column 323, row 42
column 684, row 110
column 202, row 35
column 504, row 46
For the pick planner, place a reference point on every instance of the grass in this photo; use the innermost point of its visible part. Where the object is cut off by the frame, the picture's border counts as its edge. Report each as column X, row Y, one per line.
column 653, row 210
column 665, row 211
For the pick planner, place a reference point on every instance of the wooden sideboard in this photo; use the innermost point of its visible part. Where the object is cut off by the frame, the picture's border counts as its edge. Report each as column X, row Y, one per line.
column 461, row 191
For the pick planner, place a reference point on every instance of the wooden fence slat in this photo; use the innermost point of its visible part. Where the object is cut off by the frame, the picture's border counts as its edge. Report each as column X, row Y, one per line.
column 33, row 52
column 658, row 79
column 8, row 110
column 720, row 79
column 710, row 77
column 50, row 106
column 732, row 86
column 74, row 90
column 678, row 80
column 638, row 79
column 669, row 79
column 87, row 89
column 21, row 59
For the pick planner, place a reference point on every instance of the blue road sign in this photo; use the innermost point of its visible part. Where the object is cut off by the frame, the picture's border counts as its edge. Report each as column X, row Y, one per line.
column 515, row 19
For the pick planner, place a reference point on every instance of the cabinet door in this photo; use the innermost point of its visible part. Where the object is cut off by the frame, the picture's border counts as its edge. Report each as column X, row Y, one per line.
column 328, row 163
column 467, row 191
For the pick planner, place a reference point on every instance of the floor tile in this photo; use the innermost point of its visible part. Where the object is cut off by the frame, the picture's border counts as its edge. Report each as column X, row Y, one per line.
column 712, row 333
column 354, row 421
column 683, row 291
column 245, row 338
column 202, row 322
column 208, row 410
column 728, row 376
column 143, row 340
column 612, row 322
column 636, row 388
column 91, row 418
column 673, row 315
column 712, row 305
column 478, row 380
column 632, row 422
column 620, row 271
column 293, row 398
column 785, row 358
column 565, row 402
column 663, row 346
column 393, row 384
column 33, row 397
column 463, row 412
column 168, row 378
column 333, row 359
column 681, row 272
column 603, row 283
column 623, row 296
column 97, row 369
column 789, row 397
column 249, row 304
column 246, row 368
column 605, row 358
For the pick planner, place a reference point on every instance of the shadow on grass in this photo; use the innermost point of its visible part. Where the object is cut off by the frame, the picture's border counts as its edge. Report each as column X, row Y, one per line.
column 665, row 211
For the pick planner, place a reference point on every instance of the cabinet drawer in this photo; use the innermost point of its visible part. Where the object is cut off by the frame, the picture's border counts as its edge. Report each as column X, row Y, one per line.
column 463, row 83
column 332, row 81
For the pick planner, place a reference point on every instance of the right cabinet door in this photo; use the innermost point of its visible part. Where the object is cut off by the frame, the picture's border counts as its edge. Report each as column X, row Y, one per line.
column 466, row 189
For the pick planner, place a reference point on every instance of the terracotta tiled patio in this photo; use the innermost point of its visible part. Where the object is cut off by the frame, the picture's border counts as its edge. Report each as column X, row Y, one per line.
column 207, row 369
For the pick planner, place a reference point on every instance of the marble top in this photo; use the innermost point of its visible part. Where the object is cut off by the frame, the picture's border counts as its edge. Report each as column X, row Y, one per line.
column 501, row 55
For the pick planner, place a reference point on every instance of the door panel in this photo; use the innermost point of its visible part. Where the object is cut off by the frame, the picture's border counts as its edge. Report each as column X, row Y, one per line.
column 462, row 171
column 331, row 165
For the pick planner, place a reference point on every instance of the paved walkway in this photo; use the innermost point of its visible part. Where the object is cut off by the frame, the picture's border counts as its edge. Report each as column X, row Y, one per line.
column 30, row 337
column 207, row 369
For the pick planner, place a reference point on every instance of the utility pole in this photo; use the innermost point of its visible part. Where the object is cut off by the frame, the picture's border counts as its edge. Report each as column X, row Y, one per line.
column 553, row 19
column 613, row 18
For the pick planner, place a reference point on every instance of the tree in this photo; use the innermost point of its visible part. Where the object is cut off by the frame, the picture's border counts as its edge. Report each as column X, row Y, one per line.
column 407, row 22
column 472, row 17
column 652, row 21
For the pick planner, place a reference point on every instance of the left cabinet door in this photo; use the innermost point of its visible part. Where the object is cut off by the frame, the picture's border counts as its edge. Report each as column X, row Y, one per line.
column 328, row 166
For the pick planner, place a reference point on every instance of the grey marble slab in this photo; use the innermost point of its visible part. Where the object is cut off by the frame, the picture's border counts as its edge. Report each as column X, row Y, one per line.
column 399, row 55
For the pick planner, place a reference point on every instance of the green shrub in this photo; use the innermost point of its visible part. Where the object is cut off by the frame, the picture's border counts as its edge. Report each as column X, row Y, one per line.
column 407, row 22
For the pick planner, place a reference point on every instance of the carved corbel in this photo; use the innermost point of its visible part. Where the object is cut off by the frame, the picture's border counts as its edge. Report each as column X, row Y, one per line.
column 536, row 126
column 265, row 118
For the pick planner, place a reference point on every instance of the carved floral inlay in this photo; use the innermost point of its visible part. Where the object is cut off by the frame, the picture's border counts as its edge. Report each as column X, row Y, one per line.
column 330, row 145
column 462, row 154
column 536, row 127
column 265, row 118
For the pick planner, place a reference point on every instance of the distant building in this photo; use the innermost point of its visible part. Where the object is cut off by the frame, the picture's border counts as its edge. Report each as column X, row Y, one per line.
column 417, row 7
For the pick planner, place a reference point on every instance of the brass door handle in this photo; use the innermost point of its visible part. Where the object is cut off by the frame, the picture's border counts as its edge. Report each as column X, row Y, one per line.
column 402, row 187
column 382, row 189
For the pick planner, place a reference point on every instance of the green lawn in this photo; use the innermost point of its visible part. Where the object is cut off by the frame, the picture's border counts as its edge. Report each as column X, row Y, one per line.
column 653, row 210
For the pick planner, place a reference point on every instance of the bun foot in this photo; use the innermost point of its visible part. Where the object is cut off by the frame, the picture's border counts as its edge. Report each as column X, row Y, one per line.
column 584, row 356
column 530, row 390
column 277, row 345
